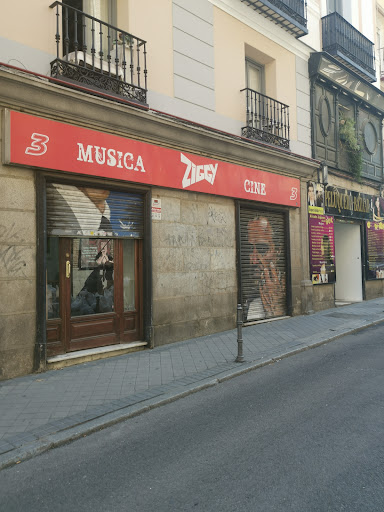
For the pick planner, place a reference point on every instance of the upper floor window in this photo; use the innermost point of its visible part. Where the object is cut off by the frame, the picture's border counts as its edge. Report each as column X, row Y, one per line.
column 103, row 10
column 334, row 6
column 343, row 7
column 83, row 31
column 255, row 76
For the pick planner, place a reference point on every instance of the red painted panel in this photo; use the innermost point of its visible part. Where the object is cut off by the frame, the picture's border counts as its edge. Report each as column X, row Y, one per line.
column 50, row 144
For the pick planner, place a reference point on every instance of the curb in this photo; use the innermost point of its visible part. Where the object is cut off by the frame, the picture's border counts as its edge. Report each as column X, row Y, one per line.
column 30, row 450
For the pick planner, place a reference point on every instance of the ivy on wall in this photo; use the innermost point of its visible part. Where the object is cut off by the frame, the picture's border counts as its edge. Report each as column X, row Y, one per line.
column 348, row 139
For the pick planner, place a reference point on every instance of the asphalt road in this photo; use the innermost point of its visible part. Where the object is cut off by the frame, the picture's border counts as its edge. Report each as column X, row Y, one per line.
column 304, row 434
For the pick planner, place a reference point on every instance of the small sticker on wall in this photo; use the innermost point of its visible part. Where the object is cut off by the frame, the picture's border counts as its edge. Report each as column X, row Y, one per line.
column 156, row 209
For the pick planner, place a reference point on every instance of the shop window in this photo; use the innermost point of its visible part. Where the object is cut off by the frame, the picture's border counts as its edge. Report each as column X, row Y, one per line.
column 92, row 276
column 53, row 278
column 129, row 275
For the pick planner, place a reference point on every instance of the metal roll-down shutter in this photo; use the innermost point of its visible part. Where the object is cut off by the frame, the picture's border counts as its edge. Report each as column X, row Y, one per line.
column 263, row 264
column 92, row 212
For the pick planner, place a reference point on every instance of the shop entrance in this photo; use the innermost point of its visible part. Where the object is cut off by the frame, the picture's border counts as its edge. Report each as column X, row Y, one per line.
column 93, row 268
column 349, row 285
column 93, row 293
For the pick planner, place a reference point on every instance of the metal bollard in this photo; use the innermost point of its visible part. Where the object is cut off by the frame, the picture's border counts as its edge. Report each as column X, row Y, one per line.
column 240, row 357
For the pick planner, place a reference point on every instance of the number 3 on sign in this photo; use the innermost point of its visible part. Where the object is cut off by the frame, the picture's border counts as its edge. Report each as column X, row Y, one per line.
column 38, row 145
column 293, row 194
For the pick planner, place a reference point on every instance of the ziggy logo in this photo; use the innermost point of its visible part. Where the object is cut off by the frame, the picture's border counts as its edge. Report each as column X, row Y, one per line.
column 195, row 173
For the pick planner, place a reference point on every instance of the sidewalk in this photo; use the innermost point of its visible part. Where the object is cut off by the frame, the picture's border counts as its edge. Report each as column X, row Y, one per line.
column 41, row 411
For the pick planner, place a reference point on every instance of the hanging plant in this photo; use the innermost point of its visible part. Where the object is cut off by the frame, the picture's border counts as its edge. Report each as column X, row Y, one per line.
column 347, row 136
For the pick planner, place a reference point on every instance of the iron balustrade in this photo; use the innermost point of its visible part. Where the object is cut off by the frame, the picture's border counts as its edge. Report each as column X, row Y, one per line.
column 340, row 38
column 95, row 53
column 267, row 119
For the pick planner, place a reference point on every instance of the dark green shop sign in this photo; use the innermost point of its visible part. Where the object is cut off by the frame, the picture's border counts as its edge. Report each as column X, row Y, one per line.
column 346, row 203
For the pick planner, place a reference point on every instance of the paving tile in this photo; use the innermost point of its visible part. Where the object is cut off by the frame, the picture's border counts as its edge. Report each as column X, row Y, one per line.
column 37, row 405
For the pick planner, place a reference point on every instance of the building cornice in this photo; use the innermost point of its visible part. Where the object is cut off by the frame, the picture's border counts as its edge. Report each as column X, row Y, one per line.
column 38, row 96
column 264, row 26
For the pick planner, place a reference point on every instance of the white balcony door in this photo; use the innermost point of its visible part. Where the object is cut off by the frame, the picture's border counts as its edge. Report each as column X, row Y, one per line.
column 254, row 76
column 101, row 10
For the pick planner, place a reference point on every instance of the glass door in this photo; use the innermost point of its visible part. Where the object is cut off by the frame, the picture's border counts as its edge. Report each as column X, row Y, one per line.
column 92, row 276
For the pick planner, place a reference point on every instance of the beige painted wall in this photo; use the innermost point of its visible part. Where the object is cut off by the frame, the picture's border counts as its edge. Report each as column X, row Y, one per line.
column 30, row 23
column 152, row 21
column 235, row 41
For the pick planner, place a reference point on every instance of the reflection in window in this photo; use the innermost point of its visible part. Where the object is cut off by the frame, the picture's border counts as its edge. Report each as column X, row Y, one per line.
column 129, row 274
column 92, row 279
column 53, row 310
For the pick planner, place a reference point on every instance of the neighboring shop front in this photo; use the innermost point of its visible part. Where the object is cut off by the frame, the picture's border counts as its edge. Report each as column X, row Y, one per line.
column 347, row 136
column 345, row 243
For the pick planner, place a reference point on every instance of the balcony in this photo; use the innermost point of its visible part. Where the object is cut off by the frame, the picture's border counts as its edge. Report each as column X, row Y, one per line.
column 267, row 120
column 348, row 46
column 98, row 56
column 290, row 14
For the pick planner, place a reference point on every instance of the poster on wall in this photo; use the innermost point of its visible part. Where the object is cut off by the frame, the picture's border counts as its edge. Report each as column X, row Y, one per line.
column 315, row 197
column 94, row 252
column 377, row 206
column 322, row 248
column 156, row 208
column 375, row 249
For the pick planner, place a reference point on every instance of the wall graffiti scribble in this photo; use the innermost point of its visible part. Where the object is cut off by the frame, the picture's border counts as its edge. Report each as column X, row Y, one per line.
column 12, row 259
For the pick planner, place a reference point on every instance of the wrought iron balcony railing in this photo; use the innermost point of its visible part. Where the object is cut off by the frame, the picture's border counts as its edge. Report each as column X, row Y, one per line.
column 348, row 46
column 267, row 120
column 98, row 55
column 290, row 14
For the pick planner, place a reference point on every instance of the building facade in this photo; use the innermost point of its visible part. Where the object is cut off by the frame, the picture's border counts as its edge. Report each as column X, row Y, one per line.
column 155, row 172
column 345, row 226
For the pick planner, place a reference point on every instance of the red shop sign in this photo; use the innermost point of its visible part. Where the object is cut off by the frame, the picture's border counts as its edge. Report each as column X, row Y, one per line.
column 43, row 143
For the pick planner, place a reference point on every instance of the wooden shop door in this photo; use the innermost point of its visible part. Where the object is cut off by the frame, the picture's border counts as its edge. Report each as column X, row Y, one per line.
column 94, row 293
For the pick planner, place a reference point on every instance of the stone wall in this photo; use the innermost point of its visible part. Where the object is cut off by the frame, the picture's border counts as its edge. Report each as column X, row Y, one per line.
column 323, row 297
column 194, row 266
column 374, row 289
column 17, row 271
column 296, row 258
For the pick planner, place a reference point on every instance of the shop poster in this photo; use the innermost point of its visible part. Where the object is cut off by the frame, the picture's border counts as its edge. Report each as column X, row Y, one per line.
column 322, row 248
column 375, row 249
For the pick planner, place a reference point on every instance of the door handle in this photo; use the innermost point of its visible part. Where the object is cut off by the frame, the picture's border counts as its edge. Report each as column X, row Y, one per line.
column 67, row 269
